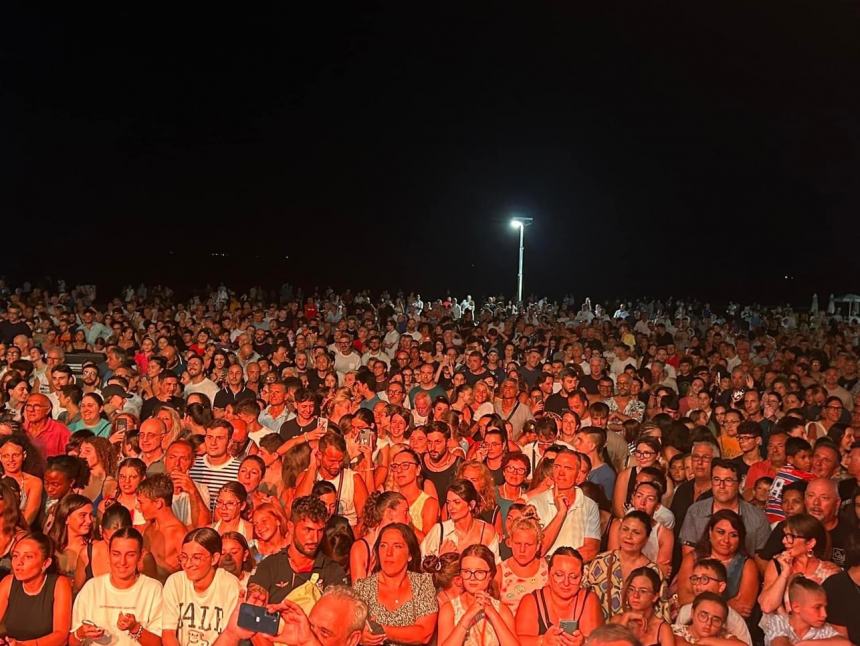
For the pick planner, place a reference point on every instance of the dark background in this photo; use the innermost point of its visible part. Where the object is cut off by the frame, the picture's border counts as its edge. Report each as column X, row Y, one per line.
column 704, row 149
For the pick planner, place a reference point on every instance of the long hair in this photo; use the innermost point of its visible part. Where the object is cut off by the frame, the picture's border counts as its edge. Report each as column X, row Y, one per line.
column 486, row 486
column 378, row 503
column 105, row 450
column 294, row 463
column 483, row 552
column 248, row 564
column 235, row 488
column 11, row 518
column 408, row 535
column 59, row 532
column 703, row 547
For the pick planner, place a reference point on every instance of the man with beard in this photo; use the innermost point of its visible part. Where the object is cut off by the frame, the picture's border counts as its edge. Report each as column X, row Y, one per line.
column 279, row 574
column 440, row 465
column 198, row 382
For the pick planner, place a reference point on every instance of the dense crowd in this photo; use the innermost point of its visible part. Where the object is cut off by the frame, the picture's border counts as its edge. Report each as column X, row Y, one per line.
column 347, row 468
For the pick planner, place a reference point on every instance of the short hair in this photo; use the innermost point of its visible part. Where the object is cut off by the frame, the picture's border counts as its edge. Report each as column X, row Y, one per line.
column 271, row 442
column 248, row 406
column 517, row 456
column 158, row 486
column 332, row 438
column 597, row 436
column 725, row 463
column 794, row 445
column 308, row 508
column 809, row 527
column 612, row 633
column 358, row 615
column 714, row 565
column 800, row 585
column 222, row 423
column 713, row 597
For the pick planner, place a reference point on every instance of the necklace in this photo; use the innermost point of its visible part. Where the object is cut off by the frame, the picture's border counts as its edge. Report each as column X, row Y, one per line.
column 505, row 492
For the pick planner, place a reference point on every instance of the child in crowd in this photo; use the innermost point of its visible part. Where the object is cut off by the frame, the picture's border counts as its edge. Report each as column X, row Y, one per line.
column 807, row 620
column 798, row 460
column 761, row 492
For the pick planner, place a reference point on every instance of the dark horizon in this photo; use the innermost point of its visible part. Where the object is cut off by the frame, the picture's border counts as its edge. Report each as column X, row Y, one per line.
column 684, row 150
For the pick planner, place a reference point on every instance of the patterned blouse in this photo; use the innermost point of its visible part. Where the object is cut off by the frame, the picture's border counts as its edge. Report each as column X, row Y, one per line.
column 603, row 575
column 422, row 603
column 515, row 587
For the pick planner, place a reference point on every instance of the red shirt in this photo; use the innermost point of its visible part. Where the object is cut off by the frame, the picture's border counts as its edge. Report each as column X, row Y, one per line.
column 51, row 441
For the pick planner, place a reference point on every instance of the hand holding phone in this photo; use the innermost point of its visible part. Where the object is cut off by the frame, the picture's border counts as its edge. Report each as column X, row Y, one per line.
column 569, row 626
column 257, row 620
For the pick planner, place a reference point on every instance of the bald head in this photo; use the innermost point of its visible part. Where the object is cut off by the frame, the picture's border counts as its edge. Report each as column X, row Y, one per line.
column 37, row 408
column 822, row 501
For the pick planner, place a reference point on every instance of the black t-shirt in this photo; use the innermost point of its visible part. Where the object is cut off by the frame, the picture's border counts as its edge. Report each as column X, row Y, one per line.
column 441, row 479
column 8, row 331
column 743, row 467
column 848, row 384
column 774, row 545
column 147, row 410
column 589, row 384
column 847, row 490
column 276, row 575
column 556, row 403
column 291, row 428
column 839, row 536
column 472, row 378
column 530, row 376
column 843, row 599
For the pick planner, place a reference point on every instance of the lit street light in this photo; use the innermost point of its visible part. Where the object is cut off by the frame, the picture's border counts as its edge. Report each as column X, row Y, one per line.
column 521, row 224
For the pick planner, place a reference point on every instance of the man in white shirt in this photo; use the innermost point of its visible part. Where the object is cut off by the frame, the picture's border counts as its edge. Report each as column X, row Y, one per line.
column 346, row 359
column 122, row 607
column 198, row 382
column 567, row 515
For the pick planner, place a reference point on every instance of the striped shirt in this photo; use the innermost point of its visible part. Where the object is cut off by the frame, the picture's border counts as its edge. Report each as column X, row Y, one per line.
column 214, row 477
column 786, row 475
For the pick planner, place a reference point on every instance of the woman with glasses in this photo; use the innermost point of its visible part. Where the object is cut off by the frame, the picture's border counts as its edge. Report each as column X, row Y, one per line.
column 640, row 599
column 661, row 540
column 198, row 600
column 232, row 512
column 606, row 574
column 646, row 454
column 708, row 622
column 541, row 614
column 380, row 510
column 476, row 617
column 405, row 470
column 463, row 527
column 723, row 539
column 399, row 597
column 524, row 572
column 805, row 541
column 515, row 469
column 479, row 475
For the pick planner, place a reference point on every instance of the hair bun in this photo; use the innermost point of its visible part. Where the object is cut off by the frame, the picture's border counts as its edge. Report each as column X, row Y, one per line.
column 431, row 563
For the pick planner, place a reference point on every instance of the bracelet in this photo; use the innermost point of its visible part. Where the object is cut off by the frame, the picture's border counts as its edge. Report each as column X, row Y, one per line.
column 135, row 635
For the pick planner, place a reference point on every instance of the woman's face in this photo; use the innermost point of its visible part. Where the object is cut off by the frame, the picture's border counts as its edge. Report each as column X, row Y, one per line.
column 795, row 544
column 12, row 458
column 90, row 409
column 397, row 426
column 228, row 506
column 847, row 440
column 330, row 381
column 397, row 514
column 480, row 394
column 792, row 503
column 725, row 539
column 128, row 480
column 645, row 456
column 475, row 574
column 632, row 535
column 565, row 576
column 219, row 360
column 524, row 546
column 57, row 484
column 27, row 560
column 640, row 594
column 250, row 475
column 568, row 424
column 235, row 550
column 515, row 473
column 80, row 521
column 708, row 619
column 19, row 393
column 457, row 507
column 418, row 442
column 88, row 453
column 265, row 526
column 393, row 552
column 330, row 502
column 645, row 499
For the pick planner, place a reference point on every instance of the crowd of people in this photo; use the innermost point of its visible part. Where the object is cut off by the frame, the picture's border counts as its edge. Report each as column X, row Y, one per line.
column 344, row 469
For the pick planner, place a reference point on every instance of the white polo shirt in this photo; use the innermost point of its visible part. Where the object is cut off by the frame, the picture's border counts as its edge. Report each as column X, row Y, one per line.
column 582, row 520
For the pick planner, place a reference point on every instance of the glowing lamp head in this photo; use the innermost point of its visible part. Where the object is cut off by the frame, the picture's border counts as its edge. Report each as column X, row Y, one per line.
column 516, row 224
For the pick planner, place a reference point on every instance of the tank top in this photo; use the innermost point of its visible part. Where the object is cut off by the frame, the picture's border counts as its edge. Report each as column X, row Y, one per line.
column 481, row 632
column 652, row 545
column 441, row 479
column 514, row 587
column 544, row 621
column 345, row 486
column 416, row 509
column 243, row 528
column 31, row 616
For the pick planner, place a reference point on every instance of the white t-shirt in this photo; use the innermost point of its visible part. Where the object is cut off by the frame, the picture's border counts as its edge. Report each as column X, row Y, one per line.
column 207, row 387
column 199, row 618
column 100, row 602
column 582, row 520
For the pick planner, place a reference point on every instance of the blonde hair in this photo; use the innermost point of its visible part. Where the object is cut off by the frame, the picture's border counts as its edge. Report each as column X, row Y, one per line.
column 486, row 486
column 529, row 523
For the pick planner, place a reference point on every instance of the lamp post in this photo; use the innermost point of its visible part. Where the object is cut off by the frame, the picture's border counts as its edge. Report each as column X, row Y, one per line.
column 521, row 224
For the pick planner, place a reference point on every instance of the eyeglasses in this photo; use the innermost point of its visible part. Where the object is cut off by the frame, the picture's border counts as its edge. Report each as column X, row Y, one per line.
column 478, row 575
column 790, row 537
column 644, row 454
column 230, row 504
column 402, row 466
column 640, row 592
column 517, row 471
column 746, row 438
column 704, row 579
column 195, row 560
column 708, row 618
column 570, row 577
column 723, row 482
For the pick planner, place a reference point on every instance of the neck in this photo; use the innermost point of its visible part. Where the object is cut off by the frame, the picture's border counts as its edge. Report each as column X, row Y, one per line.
column 219, row 460
column 465, row 524
column 392, row 580
column 733, row 504
column 798, row 625
column 123, row 584
column 203, row 584
column 276, row 408
column 151, row 456
column 33, row 585
column 301, row 561
column 508, row 401
column 303, row 421
column 198, row 379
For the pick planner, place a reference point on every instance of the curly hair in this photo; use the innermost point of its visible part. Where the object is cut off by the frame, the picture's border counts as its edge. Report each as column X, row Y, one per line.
column 484, row 484
column 308, row 507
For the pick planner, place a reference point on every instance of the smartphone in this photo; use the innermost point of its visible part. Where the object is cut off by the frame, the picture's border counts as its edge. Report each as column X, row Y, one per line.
column 121, row 425
column 569, row 626
column 375, row 628
column 322, row 423
column 365, row 437
column 256, row 619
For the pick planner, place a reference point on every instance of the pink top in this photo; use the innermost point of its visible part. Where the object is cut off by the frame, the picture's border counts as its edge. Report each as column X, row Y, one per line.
column 52, row 441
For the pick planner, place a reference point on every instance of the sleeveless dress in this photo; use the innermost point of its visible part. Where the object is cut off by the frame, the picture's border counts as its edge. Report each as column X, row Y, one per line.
column 481, row 632
column 515, row 587
column 30, row 616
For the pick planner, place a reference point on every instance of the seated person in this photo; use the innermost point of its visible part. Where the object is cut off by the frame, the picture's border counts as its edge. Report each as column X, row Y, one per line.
column 707, row 622
column 709, row 575
column 807, row 620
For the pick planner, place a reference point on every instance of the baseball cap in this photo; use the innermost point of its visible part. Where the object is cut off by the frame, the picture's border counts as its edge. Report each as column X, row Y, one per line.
column 114, row 391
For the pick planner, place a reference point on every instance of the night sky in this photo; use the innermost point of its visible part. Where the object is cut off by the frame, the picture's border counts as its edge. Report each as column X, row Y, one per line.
column 703, row 149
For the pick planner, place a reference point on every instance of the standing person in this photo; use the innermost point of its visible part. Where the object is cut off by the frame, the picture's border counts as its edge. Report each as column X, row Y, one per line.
column 463, row 527
column 540, row 613
column 327, row 463
column 302, row 560
column 515, row 468
column 640, row 598
column 216, row 466
column 509, row 408
column 568, row 516
column 476, row 616
column 198, row 600
column 423, row 507
column 305, row 419
column 399, row 597
column 440, row 465
column 591, row 441
column 164, row 533
column 270, row 530
column 524, row 572
column 35, row 602
column 124, row 604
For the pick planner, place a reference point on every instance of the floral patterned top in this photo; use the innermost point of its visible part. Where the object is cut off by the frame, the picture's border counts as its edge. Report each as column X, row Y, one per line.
column 515, row 587
column 423, row 601
column 603, row 575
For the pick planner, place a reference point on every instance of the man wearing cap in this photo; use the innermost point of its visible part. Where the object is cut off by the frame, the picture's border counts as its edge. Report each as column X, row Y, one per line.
column 115, row 398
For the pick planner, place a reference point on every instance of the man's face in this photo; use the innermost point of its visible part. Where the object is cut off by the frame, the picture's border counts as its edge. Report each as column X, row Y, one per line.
column 821, row 501
column 425, row 375
column 168, row 386
column 194, row 367
column 565, row 469
column 277, row 394
column 305, row 409
column 701, row 457
column 307, row 536
column 724, row 484
column 751, row 402
column 328, row 625
column 776, row 448
column 59, row 379
column 217, row 442
column 811, row 607
column 331, row 460
column 825, row 462
column 437, row 446
column 569, row 383
column 179, row 457
column 234, row 376
column 36, row 409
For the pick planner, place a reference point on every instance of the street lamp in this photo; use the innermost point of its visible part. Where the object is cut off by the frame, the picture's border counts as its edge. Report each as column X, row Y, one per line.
column 521, row 224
